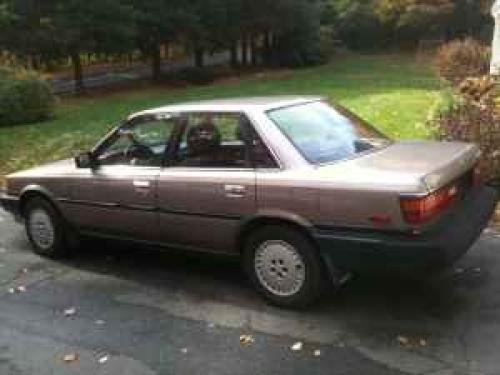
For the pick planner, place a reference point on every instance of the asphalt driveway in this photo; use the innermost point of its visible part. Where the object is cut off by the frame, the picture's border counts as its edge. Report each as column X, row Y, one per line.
column 112, row 309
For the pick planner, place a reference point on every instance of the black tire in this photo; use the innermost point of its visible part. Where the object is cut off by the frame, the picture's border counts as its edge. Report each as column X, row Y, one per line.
column 59, row 245
column 315, row 280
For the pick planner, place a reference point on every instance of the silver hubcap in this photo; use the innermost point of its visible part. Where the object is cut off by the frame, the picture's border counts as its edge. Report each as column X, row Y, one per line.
column 41, row 228
column 279, row 268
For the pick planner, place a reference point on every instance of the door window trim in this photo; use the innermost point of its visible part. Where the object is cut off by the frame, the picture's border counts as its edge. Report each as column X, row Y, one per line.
column 114, row 133
column 178, row 132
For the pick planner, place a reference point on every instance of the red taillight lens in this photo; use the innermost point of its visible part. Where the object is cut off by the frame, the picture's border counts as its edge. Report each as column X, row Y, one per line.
column 417, row 210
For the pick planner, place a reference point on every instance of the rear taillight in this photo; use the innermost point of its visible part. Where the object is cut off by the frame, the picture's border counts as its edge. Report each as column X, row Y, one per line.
column 417, row 210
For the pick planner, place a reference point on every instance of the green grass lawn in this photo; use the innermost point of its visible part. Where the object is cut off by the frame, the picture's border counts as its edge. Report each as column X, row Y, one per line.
column 393, row 92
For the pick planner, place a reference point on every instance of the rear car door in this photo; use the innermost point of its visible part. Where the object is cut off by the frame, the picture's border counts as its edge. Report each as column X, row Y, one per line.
column 208, row 187
column 119, row 196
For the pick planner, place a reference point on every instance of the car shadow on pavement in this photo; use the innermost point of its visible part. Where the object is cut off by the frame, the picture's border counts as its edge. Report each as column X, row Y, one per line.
column 365, row 298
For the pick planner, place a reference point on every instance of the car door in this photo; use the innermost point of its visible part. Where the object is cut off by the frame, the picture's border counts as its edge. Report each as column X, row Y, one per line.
column 119, row 196
column 209, row 185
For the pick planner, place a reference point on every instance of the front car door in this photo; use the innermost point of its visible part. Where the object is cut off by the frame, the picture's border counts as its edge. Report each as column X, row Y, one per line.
column 119, row 196
column 208, row 186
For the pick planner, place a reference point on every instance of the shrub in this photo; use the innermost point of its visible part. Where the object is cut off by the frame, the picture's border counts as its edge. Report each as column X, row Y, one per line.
column 25, row 98
column 473, row 116
column 459, row 59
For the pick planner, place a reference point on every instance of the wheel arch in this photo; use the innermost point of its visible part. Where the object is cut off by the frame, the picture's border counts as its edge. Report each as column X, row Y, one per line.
column 276, row 218
column 295, row 222
column 31, row 191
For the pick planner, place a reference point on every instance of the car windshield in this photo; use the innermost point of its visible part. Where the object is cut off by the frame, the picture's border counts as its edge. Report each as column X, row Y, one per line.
column 325, row 134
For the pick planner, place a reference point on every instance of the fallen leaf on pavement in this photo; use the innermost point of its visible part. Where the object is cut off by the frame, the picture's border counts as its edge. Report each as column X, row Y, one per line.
column 70, row 357
column 297, row 346
column 246, row 339
column 69, row 311
column 103, row 359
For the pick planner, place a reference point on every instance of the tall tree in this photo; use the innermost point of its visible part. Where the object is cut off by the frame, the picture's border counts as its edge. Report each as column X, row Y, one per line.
column 298, row 34
column 92, row 26
column 4, row 14
column 158, row 22
column 413, row 19
column 26, row 30
column 207, row 19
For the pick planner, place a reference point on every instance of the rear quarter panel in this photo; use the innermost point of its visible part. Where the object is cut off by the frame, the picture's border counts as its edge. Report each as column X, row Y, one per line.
column 304, row 197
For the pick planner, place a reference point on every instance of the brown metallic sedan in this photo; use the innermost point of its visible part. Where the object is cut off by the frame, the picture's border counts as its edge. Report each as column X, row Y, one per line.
column 304, row 191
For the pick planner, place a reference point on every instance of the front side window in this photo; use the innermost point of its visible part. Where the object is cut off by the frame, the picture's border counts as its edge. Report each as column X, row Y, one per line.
column 324, row 134
column 142, row 143
column 214, row 140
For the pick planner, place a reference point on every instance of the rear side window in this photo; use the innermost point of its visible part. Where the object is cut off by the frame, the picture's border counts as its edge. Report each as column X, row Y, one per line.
column 324, row 134
column 219, row 140
column 211, row 140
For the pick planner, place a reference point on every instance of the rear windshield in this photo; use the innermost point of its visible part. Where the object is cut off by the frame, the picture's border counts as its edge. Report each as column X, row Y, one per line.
column 324, row 134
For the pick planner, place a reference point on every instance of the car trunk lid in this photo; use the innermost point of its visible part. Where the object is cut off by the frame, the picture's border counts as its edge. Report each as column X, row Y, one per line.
column 436, row 163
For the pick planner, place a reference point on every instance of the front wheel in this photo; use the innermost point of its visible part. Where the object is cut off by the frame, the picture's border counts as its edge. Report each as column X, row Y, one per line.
column 45, row 228
column 284, row 266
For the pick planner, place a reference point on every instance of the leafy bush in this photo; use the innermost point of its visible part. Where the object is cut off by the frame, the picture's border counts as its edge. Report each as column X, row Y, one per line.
column 459, row 59
column 24, row 98
column 472, row 115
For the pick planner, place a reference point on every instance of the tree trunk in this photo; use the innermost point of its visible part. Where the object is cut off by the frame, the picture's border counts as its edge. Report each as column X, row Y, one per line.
column 244, row 51
column 156, row 63
column 199, row 57
column 253, row 51
column 35, row 62
column 267, row 48
column 234, row 54
column 78, row 72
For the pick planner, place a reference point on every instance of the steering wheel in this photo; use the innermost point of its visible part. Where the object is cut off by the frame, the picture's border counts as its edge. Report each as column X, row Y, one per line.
column 138, row 151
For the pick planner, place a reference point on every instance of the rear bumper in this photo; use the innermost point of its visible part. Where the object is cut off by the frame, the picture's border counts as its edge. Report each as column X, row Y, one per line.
column 356, row 250
column 10, row 204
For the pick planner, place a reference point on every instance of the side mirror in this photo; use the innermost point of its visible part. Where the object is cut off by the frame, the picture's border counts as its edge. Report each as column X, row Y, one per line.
column 85, row 160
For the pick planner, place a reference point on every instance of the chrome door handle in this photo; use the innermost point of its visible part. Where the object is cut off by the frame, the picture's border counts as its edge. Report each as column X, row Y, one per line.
column 142, row 187
column 142, row 184
column 234, row 191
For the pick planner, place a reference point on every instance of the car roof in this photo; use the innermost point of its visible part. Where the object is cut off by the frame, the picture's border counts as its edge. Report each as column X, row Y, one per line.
column 241, row 104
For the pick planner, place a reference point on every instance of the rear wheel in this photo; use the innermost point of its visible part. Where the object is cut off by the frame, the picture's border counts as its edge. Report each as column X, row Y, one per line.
column 45, row 228
column 284, row 266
